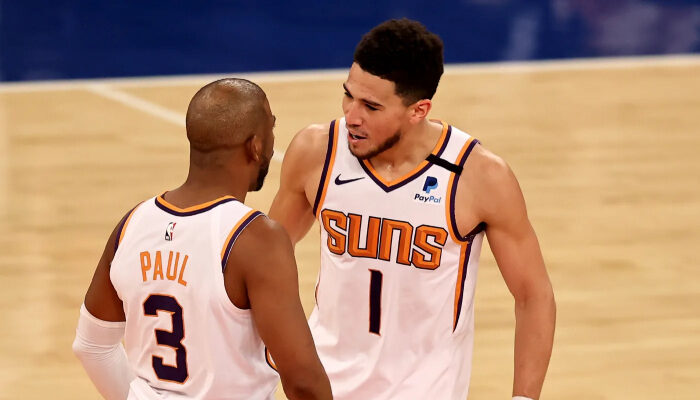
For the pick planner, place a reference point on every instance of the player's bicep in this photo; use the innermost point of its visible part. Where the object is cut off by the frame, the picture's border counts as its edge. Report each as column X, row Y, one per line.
column 292, row 206
column 511, row 236
column 273, row 291
column 101, row 299
column 519, row 259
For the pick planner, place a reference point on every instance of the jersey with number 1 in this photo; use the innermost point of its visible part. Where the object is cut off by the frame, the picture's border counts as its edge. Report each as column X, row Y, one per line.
column 394, row 300
column 184, row 337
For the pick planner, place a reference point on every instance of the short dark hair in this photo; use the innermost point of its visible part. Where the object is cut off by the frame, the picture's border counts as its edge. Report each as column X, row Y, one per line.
column 405, row 52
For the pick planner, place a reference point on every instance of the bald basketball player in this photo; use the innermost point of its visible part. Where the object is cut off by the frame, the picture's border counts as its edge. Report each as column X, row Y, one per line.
column 404, row 202
column 200, row 285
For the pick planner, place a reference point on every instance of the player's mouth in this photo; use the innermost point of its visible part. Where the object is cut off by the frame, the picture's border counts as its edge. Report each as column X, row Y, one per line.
column 355, row 138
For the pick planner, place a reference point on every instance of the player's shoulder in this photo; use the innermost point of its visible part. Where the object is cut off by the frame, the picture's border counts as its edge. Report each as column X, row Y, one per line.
column 489, row 166
column 490, row 182
column 311, row 140
column 118, row 231
column 307, row 151
column 263, row 233
column 263, row 245
column 314, row 131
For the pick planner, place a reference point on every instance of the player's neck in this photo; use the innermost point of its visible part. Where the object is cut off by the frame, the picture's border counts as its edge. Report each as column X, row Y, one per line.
column 203, row 186
column 413, row 147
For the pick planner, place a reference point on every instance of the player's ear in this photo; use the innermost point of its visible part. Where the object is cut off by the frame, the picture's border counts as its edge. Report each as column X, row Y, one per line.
column 254, row 147
column 419, row 110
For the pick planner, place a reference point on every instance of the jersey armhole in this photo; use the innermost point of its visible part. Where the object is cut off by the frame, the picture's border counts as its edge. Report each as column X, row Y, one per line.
column 452, row 194
column 233, row 235
column 269, row 360
column 122, row 227
column 327, row 167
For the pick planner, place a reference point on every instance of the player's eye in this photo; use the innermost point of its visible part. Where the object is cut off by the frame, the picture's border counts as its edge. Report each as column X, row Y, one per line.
column 348, row 95
column 371, row 108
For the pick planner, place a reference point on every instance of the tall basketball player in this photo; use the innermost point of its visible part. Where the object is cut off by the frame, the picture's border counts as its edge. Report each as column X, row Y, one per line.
column 200, row 285
column 403, row 203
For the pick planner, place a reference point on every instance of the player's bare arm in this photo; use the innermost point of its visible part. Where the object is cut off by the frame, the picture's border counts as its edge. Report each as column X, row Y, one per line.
column 100, row 329
column 101, row 299
column 301, row 173
column 496, row 197
column 268, row 285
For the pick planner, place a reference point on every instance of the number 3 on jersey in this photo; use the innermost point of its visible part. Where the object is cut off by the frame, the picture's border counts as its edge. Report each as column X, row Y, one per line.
column 172, row 339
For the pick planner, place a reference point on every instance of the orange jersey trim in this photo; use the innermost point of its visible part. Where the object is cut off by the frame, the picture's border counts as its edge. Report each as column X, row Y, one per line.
column 414, row 171
column 327, row 168
column 268, row 358
column 454, row 178
column 234, row 230
column 197, row 207
column 126, row 222
column 463, row 254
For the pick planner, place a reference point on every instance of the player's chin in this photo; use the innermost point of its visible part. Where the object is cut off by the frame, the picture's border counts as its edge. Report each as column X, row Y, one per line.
column 355, row 149
column 361, row 152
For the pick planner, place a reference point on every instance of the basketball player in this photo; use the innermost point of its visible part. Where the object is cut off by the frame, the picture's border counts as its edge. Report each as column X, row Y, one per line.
column 199, row 284
column 403, row 203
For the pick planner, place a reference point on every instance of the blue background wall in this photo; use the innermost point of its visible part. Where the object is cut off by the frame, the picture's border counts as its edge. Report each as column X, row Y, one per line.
column 59, row 39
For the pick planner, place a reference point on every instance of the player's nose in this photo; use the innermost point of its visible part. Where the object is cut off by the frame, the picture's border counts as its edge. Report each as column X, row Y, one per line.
column 352, row 114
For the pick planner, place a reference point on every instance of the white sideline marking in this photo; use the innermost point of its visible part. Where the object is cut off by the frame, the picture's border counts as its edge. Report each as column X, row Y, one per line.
column 147, row 107
column 105, row 87
column 137, row 103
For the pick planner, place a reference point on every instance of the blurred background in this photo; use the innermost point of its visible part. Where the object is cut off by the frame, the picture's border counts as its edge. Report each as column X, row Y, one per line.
column 605, row 150
column 67, row 39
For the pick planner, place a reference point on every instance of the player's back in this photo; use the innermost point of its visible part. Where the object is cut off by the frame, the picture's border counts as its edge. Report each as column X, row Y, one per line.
column 184, row 337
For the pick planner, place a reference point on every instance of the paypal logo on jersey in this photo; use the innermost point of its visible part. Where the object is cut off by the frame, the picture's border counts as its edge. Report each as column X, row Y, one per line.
column 431, row 183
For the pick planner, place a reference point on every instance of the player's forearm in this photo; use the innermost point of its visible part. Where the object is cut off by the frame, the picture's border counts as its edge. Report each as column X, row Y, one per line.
column 295, row 218
column 97, row 346
column 108, row 370
column 534, row 335
column 298, row 228
column 308, row 386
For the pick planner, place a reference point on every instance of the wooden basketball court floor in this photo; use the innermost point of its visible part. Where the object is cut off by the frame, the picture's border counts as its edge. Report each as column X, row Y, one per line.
column 607, row 153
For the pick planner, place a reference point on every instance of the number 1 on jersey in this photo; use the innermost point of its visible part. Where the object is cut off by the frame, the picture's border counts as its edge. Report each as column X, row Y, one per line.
column 375, row 301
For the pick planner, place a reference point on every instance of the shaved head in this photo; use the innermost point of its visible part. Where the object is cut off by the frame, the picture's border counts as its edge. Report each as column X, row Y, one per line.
column 225, row 113
column 230, row 128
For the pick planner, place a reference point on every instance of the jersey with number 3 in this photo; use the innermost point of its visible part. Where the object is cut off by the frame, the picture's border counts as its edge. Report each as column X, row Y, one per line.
column 394, row 299
column 184, row 337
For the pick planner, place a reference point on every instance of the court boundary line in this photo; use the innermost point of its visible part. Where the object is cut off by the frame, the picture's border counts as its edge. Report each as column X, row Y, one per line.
column 137, row 103
column 148, row 107
column 575, row 64
column 109, row 87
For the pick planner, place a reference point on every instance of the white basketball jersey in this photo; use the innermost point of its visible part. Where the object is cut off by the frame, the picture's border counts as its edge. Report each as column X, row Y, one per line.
column 394, row 300
column 184, row 338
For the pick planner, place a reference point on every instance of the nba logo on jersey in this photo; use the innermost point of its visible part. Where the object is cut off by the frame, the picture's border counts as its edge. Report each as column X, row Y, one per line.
column 431, row 183
column 169, row 231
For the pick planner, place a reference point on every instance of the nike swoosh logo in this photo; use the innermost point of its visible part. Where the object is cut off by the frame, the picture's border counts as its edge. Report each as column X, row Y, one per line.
column 339, row 181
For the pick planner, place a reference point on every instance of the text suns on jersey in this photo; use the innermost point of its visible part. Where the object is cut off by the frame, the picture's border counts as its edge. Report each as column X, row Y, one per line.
column 418, row 246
